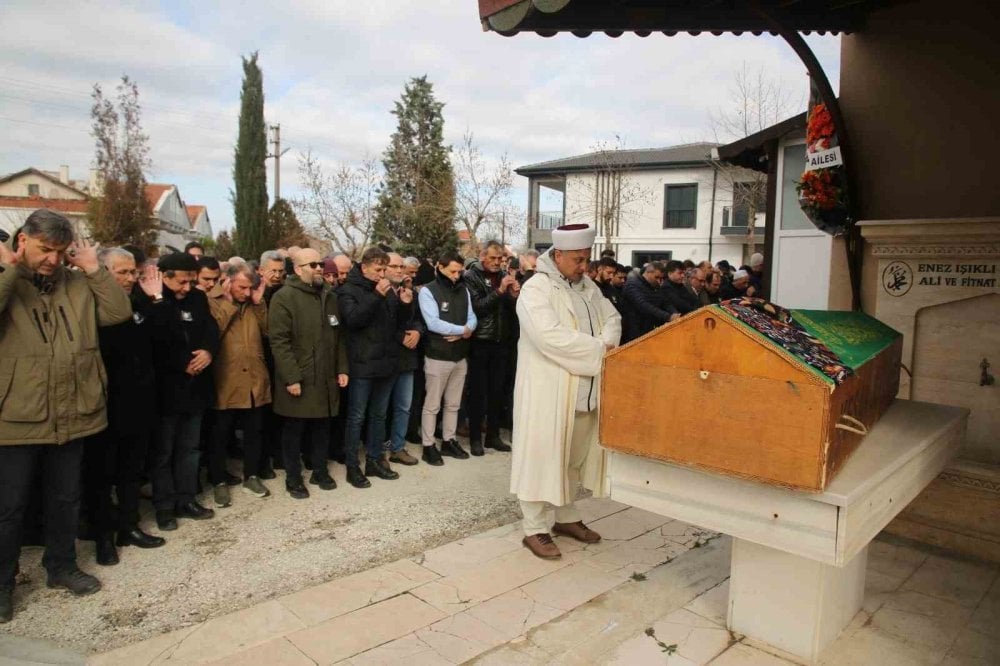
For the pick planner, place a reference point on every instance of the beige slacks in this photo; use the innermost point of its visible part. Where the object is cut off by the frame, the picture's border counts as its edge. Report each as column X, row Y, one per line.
column 540, row 516
column 445, row 379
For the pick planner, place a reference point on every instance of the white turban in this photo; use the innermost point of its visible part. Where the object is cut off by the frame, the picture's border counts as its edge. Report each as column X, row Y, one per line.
column 573, row 237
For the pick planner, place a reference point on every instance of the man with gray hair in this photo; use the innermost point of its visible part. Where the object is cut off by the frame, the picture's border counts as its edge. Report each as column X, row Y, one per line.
column 242, row 382
column 54, row 397
column 115, row 457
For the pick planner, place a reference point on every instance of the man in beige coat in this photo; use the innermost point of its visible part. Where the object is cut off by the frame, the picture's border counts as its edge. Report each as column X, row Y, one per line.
column 242, row 383
column 52, row 388
column 566, row 327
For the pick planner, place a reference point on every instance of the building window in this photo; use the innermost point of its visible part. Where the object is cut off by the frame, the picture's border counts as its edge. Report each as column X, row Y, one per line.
column 640, row 259
column 680, row 209
column 33, row 190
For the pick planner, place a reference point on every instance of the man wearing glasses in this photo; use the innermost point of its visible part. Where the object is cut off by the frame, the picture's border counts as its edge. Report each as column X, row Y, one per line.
column 310, row 362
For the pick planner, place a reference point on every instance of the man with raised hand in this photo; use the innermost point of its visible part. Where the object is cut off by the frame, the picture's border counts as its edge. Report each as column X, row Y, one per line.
column 52, row 377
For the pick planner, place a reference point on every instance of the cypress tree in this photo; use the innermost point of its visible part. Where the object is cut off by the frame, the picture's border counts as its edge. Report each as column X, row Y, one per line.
column 416, row 207
column 249, row 172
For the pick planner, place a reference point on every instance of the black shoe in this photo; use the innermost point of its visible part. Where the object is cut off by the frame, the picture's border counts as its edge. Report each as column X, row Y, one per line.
column 107, row 554
column 476, row 448
column 165, row 520
column 324, row 481
column 194, row 510
column 432, row 456
column 267, row 473
column 75, row 581
column 356, row 478
column 136, row 537
column 233, row 480
column 6, row 605
column 380, row 468
column 452, row 448
column 297, row 489
column 494, row 442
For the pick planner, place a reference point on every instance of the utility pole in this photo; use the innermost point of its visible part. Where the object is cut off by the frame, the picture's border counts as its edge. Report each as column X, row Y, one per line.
column 278, row 152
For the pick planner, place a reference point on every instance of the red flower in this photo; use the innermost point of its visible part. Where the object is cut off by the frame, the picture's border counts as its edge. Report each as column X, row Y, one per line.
column 820, row 126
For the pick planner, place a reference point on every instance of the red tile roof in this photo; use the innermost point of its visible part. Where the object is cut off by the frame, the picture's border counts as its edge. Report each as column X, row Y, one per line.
column 193, row 212
column 61, row 205
column 154, row 191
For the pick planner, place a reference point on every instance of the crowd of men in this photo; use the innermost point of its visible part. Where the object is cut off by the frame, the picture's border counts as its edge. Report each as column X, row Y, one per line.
column 116, row 369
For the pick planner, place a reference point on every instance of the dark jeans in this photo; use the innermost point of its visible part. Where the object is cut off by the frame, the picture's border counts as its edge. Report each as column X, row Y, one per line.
column 417, row 404
column 489, row 363
column 114, row 458
column 291, row 444
column 175, row 460
column 400, row 400
column 225, row 420
column 61, row 472
column 366, row 397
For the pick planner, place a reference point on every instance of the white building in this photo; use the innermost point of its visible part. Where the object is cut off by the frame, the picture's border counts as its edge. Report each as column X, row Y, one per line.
column 649, row 204
column 26, row 191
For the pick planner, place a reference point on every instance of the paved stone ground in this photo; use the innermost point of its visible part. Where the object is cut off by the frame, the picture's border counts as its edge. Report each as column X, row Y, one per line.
column 258, row 549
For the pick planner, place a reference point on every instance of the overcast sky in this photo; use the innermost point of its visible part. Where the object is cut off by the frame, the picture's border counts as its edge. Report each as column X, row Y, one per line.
column 332, row 70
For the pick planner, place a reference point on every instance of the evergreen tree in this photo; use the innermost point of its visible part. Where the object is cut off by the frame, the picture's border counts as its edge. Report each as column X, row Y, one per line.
column 121, row 214
column 249, row 174
column 225, row 245
column 416, row 207
column 286, row 230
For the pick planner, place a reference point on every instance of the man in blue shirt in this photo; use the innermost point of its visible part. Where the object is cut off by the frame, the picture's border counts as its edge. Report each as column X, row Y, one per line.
column 447, row 310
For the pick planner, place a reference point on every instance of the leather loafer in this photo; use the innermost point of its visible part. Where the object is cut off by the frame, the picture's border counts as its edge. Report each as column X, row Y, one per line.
column 139, row 538
column 542, row 545
column 324, row 481
column 476, row 449
column 432, row 456
column 356, row 478
column 577, row 531
column 194, row 511
column 165, row 520
column 378, row 467
column 494, row 442
column 74, row 580
column 452, row 448
column 297, row 489
column 107, row 554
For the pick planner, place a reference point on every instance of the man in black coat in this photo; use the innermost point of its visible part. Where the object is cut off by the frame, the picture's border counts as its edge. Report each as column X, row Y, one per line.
column 605, row 279
column 645, row 304
column 676, row 293
column 370, row 312
column 494, row 296
column 186, row 340
column 116, row 456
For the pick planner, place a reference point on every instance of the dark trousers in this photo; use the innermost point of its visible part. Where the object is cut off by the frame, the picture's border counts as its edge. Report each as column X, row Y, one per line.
column 225, row 420
column 488, row 367
column 114, row 458
column 367, row 397
column 338, row 424
column 175, row 460
column 318, row 431
column 417, row 404
column 271, row 438
column 61, row 473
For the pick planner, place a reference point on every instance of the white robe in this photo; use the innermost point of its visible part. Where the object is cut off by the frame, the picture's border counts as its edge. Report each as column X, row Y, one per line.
column 552, row 354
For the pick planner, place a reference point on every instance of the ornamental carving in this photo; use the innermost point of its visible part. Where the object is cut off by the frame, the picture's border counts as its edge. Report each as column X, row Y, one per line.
column 986, row 250
column 970, row 481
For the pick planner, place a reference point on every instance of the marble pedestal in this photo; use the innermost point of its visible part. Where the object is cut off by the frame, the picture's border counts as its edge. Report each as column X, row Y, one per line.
column 798, row 564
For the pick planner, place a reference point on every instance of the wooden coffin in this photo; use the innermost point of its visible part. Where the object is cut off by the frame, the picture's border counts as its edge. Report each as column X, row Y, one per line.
column 713, row 392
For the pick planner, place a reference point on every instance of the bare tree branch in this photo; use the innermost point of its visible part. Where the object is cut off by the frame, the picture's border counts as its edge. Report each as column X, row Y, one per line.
column 339, row 206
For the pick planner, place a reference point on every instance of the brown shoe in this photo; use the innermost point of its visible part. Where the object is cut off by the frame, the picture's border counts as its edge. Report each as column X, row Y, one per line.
column 542, row 545
column 577, row 531
column 403, row 457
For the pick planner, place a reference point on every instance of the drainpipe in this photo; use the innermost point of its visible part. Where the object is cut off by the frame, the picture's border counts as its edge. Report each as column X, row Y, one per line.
column 711, row 219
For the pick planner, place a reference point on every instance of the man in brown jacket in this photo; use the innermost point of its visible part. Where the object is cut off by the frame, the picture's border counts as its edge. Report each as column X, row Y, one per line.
column 242, row 384
column 52, row 388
